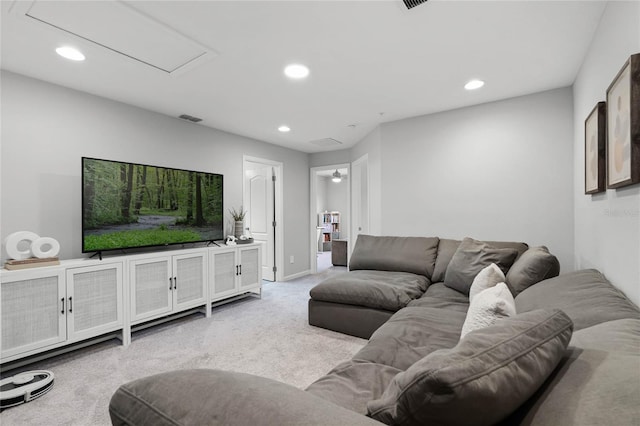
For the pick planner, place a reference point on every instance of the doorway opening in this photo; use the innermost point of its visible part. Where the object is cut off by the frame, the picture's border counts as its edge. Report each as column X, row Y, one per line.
column 262, row 199
column 330, row 213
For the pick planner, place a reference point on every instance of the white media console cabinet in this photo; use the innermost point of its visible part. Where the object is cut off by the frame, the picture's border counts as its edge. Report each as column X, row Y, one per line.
column 85, row 300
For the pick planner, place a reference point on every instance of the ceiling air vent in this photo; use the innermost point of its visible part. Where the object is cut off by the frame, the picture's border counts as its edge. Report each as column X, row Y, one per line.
column 413, row 3
column 190, row 118
column 326, row 142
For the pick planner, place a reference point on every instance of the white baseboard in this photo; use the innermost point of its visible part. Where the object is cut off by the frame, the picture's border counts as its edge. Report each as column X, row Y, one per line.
column 298, row 275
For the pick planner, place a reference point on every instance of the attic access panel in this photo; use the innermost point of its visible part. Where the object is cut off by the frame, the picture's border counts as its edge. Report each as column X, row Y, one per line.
column 119, row 27
column 413, row 3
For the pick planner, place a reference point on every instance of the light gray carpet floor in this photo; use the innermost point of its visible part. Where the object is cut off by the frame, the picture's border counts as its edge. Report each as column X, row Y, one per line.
column 269, row 337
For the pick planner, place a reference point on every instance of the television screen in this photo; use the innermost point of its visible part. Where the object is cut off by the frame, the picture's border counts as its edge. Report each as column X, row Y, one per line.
column 126, row 205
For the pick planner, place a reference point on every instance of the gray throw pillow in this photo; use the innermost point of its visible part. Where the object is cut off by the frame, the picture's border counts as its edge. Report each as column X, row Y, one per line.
column 535, row 265
column 488, row 375
column 470, row 258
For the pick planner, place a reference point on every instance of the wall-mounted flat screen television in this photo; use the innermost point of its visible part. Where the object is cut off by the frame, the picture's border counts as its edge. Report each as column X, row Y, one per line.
column 127, row 205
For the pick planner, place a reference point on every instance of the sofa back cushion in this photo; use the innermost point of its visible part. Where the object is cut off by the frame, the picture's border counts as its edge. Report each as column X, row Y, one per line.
column 470, row 258
column 585, row 296
column 535, row 265
column 401, row 254
column 489, row 374
column 448, row 247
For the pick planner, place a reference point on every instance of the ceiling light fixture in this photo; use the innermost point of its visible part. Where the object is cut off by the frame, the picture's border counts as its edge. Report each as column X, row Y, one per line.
column 474, row 84
column 296, row 71
column 70, row 53
column 337, row 177
column 284, row 129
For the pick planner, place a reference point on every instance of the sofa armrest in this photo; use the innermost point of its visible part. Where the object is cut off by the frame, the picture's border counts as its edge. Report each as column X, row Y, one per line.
column 214, row 397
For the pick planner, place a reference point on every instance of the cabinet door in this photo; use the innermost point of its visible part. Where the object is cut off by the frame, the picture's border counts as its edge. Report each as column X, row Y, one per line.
column 94, row 300
column 189, row 275
column 33, row 311
column 223, row 275
column 151, row 293
column 250, row 262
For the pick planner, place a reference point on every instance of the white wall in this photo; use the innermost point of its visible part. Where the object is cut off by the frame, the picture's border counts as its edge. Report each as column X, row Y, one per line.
column 607, row 225
column 321, row 195
column 47, row 128
column 497, row 171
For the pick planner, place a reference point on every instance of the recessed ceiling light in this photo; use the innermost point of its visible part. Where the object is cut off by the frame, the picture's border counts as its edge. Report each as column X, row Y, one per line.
column 474, row 84
column 70, row 53
column 284, row 129
column 296, row 71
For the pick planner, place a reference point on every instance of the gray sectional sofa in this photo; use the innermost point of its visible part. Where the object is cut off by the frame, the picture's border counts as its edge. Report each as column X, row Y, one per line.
column 570, row 356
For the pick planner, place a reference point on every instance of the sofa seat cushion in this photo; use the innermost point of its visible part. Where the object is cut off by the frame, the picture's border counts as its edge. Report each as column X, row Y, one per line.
column 411, row 334
column 386, row 290
column 585, row 296
column 441, row 291
column 442, row 297
column 401, row 254
column 589, row 387
column 440, row 303
column 352, row 384
column 620, row 335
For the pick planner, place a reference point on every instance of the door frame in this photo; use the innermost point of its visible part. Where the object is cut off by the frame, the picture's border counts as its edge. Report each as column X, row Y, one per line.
column 279, row 207
column 313, row 214
column 364, row 159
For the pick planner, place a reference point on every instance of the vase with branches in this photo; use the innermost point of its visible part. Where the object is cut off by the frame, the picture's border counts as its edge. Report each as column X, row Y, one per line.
column 238, row 218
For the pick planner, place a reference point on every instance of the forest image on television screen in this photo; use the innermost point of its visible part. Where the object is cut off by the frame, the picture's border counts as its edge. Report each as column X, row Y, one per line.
column 126, row 205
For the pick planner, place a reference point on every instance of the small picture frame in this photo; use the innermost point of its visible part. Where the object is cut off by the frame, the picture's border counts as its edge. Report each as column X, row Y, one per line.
column 623, row 126
column 594, row 149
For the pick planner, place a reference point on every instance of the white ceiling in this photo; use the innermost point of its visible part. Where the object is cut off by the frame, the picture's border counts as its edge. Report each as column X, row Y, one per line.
column 370, row 61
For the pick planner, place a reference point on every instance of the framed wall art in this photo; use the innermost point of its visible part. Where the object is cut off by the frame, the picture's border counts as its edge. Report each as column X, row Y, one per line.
column 623, row 126
column 594, row 149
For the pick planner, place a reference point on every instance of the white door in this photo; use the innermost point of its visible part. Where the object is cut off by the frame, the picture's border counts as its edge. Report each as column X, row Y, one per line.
column 259, row 202
column 360, row 198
